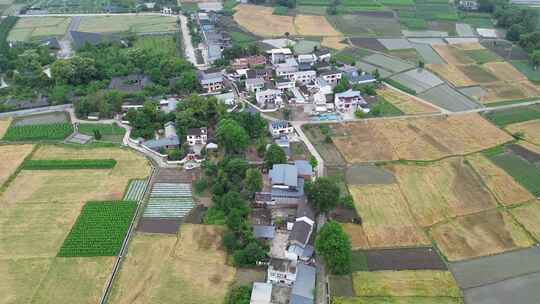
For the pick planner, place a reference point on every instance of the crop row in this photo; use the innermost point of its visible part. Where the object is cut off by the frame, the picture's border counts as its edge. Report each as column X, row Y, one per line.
column 58, row 131
column 65, row 164
column 99, row 230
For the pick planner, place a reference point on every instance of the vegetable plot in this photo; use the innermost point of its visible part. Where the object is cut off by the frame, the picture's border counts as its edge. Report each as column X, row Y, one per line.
column 58, row 131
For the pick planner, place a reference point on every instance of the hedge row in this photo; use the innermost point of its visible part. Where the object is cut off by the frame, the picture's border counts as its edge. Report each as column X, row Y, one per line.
column 68, row 164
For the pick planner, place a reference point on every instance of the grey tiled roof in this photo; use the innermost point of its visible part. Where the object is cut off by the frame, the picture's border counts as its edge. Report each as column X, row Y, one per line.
column 303, row 289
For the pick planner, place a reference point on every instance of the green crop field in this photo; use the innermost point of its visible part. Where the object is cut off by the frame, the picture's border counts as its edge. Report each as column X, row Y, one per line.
column 68, row 164
column 110, row 132
column 351, row 55
column 431, row 11
column 359, row 261
column 515, row 115
column 384, row 108
column 163, row 44
column 525, row 173
column 398, row 2
column 400, row 86
column 281, row 10
column 57, row 131
column 413, row 23
column 527, row 69
column 483, row 56
column 99, row 230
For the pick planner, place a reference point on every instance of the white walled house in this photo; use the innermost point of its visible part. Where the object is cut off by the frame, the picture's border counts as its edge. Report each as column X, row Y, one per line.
column 254, row 84
column 307, row 58
column 332, row 76
column 281, row 271
column 348, row 100
column 279, row 55
column 269, row 98
column 211, row 82
column 305, row 77
column 197, row 136
column 279, row 128
column 285, row 84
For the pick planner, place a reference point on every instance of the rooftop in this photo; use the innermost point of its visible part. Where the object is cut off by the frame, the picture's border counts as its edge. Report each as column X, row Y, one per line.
column 264, row 231
column 261, row 293
column 302, row 292
column 284, row 174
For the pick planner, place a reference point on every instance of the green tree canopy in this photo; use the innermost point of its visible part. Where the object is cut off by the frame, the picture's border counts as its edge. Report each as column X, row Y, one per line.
column 239, row 295
column 334, row 246
column 323, row 194
column 232, row 136
column 253, row 181
column 274, row 155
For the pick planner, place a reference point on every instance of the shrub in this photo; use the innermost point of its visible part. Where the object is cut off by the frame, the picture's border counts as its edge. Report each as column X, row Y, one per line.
column 200, row 185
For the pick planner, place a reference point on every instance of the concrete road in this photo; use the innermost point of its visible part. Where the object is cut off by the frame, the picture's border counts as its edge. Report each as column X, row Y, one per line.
column 186, row 36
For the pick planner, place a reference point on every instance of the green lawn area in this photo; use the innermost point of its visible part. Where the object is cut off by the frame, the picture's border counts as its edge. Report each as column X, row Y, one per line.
column 440, row 12
column 281, row 10
column 109, row 132
column 99, row 230
column 525, row 67
column 413, row 23
column 351, row 55
column 128, row 23
column 157, row 44
column 483, row 56
column 505, row 117
column 193, row 7
column 384, row 108
column 240, row 38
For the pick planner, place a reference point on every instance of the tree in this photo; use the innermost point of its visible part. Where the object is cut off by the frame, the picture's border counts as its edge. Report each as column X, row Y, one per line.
column 260, row 145
column 97, row 134
column 342, row 86
column 232, row 136
column 274, row 155
column 535, row 57
column 313, row 162
column 229, row 241
column 250, row 255
column 253, row 181
column 323, row 194
column 514, row 32
column 421, row 64
column 334, row 246
column 235, row 220
column 287, row 114
column 239, row 295
column 376, row 74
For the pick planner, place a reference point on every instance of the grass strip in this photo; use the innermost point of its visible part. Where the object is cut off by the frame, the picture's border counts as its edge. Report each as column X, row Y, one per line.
column 68, row 164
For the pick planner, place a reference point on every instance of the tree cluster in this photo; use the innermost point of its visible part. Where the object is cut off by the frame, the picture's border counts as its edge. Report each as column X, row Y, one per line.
column 323, row 194
column 334, row 245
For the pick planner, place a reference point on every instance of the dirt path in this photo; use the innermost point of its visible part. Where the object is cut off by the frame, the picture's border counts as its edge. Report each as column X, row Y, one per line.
column 188, row 46
column 66, row 50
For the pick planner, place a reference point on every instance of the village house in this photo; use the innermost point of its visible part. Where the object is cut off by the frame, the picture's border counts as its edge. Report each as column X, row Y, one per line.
column 261, row 293
column 355, row 77
column 285, row 84
column 264, row 73
column 332, row 76
column 349, row 100
column 168, row 105
column 246, row 62
column 323, row 86
column 227, row 99
column 280, row 128
column 130, row 84
column 323, row 55
column 197, row 136
column 305, row 77
column 279, row 55
column 281, row 271
column 303, row 291
column 168, row 141
column 287, row 69
column 211, row 82
column 269, row 98
column 468, row 5
column 307, row 58
column 288, row 180
column 254, row 84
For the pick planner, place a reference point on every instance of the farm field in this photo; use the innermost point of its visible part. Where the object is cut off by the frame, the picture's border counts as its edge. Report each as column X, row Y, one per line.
column 527, row 215
column 441, row 191
column 314, row 26
column 329, row 152
column 46, row 132
column 479, row 234
column 386, row 219
column 56, row 164
column 420, row 258
column 335, row 43
column 366, row 25
column 530, row 130
column 415, row 138
column 12, row 157
column 156, row 265
column 133, row 24
column 27, row 29
column 505, row 189
column 357, row 235
column 527, row 69
column 512, row 116
column 417, row 283
column 110, row 133
column 398, row 300
column 41, row 119
column 4, row 125
column 260, row 21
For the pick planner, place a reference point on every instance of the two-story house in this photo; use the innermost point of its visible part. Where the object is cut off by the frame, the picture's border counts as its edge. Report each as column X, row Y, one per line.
column 332, row 76
column 280, row 128
column 348, row 100
column 197, row 136
column 254, row 84
column 279, row 55
column 285, row 84
column 305, row 77
column 269, row 98
column 211, row 82
column 281, row 271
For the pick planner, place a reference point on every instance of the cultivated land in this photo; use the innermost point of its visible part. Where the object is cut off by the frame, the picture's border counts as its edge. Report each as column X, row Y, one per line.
column 505, row 189
column 314, row 26
column 386, row 219
column 156, row 265
column 398, row 300
column 406, row 103
column 407, row 283
column 479, row 234
column 33, row 28
column 530, row 130
column 260, row 21
column 133, row 24
column 442, row 190
column 12, row 157
column 357, row 235
column 415, row 138
column 4, row 125
column 528, row 215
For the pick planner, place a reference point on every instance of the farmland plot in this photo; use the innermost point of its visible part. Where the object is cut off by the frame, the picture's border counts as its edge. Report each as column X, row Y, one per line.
column 33, row 28
column 4, row 125
column 406, row 103
column 41, row 119
column 452, row 74
column 419, row 80
column 12, row 157
column 528, row 215
column 260, row 21
column 21, row 278
column 530, row 130
column 443, row 190
column 523, row 171
column 49, row 132
column 448, row 98
column 453, row 55
column 506, row 117
column 134, row 24
column 157, row 264
column 357, row 235
column 386, row 220
column 365, row 26
column 314, row 26
column 479, row 234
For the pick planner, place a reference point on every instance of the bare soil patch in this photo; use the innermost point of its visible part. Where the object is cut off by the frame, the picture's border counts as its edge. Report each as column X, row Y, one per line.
column 4, row 125
column 368, row 175
column 479, row 234
column 507, row 191
column 335, row 43
column 405, row 259
column 530, row 129
column 386, row 219
column 443, row 190
column 407, row 104
column 12, row 158
column 159, row 225
column 452, row 74
column 260, row 21
column 452, row 55
column 505, row 70
column 357, row 235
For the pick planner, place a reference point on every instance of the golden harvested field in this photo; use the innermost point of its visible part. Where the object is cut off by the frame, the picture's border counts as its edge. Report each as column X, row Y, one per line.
column 479, row 234
column 260, row 21
column 74, row 280
column 357, row 235
column 156, row 265
column 386, row 219
column 405, row 283
column 530, row 147
column 452, row 55
column 469, row 46
column 425, row 138
column 530, row 129
column 528, row 216
column 407, row 104
column 12, row 157
column 500, row 91
column 441, row 191
column 307, row 25
column 505, row 70
column 35, row 229
column 452, row 74
column 334, row 43
column 21, row 278
column 507, row 191
column 4, row 125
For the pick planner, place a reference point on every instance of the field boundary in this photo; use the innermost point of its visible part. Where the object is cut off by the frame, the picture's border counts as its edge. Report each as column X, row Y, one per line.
column 12, row 177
